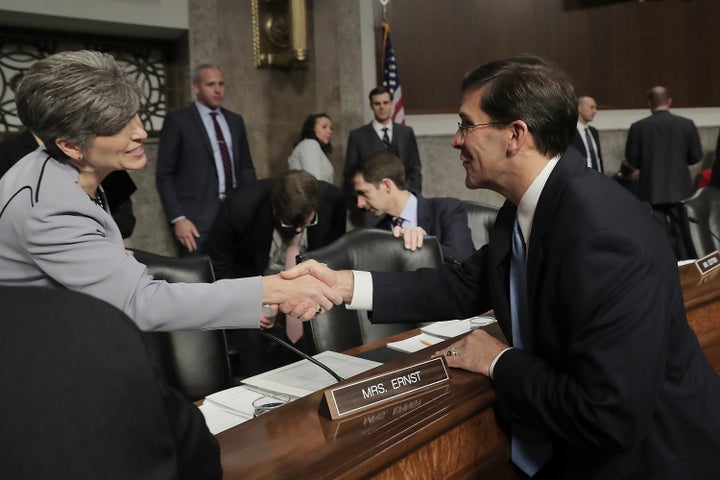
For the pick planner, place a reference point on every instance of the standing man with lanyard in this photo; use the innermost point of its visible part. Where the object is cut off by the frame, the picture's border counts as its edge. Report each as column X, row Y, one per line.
column 203, row 154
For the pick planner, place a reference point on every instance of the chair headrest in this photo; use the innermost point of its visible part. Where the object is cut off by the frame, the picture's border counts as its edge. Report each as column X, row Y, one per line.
column 377, row 250
column 172, row 269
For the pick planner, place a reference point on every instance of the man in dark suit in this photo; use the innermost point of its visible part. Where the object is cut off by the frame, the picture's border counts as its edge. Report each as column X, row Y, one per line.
column 262, row 228
column 379, row 181
column 117, row 186
column 83, row 399
column 202, row 155
column 586, row 139
column 603, row 377
column 662, row 146
column 381, row 134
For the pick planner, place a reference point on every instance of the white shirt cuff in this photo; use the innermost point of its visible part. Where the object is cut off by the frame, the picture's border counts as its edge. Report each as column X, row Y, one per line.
column 362, row 291
column 492, row 365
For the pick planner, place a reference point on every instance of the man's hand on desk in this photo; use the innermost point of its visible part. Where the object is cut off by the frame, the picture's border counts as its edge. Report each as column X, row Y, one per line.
column 340, row 281
column 475, row 352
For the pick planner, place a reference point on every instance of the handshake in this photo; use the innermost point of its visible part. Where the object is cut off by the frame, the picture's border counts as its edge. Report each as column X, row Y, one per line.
column 307, row 289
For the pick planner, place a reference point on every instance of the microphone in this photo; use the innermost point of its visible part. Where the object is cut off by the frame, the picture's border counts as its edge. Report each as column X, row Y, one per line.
column 302, row 354
column 704, row 227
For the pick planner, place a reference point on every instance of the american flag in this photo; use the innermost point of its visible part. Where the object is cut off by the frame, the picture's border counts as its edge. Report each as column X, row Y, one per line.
column 391, row 75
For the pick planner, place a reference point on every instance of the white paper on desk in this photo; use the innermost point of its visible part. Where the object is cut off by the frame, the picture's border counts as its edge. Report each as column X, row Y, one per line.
column 453, row 328
column 303, row 378
column 414, row 344
column 238, row 400
column 219, row 419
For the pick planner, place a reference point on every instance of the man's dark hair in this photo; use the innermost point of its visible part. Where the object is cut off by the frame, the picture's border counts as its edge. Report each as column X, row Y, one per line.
column 379, row 90
column 379, row 165
column 530, row 89
column 295, row 195
column 308, row 130
column 658, row 96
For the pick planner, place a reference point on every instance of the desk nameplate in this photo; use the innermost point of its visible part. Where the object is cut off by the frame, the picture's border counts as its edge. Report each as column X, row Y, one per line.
column 708, row 263
column 354, row 398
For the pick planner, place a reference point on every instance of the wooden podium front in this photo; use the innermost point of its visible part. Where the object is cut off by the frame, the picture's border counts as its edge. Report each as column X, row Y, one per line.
column 449, row 432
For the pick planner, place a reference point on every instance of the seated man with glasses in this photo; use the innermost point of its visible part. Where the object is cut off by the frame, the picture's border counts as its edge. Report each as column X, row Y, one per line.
column 261, row 228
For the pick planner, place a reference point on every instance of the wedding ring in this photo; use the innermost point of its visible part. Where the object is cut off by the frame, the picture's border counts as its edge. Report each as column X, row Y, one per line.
column 319, row 310
column 453, row 352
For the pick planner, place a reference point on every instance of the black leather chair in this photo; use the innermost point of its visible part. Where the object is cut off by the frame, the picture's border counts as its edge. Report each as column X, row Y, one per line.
column 195, row 362
column 481, row 218
column 701, row 222
column 365, row 249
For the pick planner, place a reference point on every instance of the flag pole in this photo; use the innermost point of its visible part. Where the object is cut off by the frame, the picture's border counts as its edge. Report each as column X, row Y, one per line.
column 385, row 26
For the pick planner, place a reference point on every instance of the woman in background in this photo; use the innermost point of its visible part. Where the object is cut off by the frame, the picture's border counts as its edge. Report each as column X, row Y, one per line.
column 311, row 152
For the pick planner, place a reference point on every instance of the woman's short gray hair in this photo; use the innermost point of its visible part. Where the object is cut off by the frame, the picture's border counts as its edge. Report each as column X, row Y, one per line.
column 76, row 96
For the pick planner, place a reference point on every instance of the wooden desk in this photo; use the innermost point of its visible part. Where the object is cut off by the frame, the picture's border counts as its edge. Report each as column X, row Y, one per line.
column 450, row 432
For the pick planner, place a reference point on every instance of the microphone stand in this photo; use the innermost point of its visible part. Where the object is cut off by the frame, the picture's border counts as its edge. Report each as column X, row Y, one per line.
column 302, row 354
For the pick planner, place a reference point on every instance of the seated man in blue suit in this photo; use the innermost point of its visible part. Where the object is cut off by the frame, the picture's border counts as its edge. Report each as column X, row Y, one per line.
column 379, row 181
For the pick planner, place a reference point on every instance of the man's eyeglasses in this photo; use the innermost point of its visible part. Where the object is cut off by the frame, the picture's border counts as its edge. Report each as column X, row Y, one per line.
column 312, row 223
column 465, row 129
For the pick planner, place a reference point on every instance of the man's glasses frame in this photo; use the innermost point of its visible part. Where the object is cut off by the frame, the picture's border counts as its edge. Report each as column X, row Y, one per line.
column 465, row 129
column 312, row 223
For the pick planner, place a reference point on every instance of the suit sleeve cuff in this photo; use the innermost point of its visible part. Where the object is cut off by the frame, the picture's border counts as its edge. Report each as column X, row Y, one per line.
column 491, row 370
column 362, row 291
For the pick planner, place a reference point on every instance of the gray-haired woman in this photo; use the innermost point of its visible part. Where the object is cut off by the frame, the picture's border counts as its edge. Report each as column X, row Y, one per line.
column 55, row 229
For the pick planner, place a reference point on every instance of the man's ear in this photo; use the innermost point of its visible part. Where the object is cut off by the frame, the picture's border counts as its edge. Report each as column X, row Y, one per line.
column 520, row 136
column 387, row 184
column 71, row 149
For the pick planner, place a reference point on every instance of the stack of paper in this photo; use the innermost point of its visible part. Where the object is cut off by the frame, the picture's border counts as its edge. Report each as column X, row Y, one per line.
column 439, row 331
column 230, row 407
column 303, row 378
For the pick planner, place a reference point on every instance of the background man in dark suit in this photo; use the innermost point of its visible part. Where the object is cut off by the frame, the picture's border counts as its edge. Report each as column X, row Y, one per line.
column 586, row 139
column 85, row 398
column 261, row 228
column 662, row 146
column 379, row 181
column 381, row 134
column 192, row 174
column 605, row 379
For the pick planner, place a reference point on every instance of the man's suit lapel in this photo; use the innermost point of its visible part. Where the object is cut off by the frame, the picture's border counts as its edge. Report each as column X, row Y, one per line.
column 371, row 139
column 424, row 214
column 200, row 127
column 544, row 213
column 398, row 143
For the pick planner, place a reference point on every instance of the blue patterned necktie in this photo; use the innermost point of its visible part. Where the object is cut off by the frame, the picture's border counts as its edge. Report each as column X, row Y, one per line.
column 386, row 138
column 591, row 150
column 531, row 448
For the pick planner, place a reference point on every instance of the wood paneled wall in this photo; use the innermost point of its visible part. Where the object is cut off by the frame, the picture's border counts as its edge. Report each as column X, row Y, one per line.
column 614, row 51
